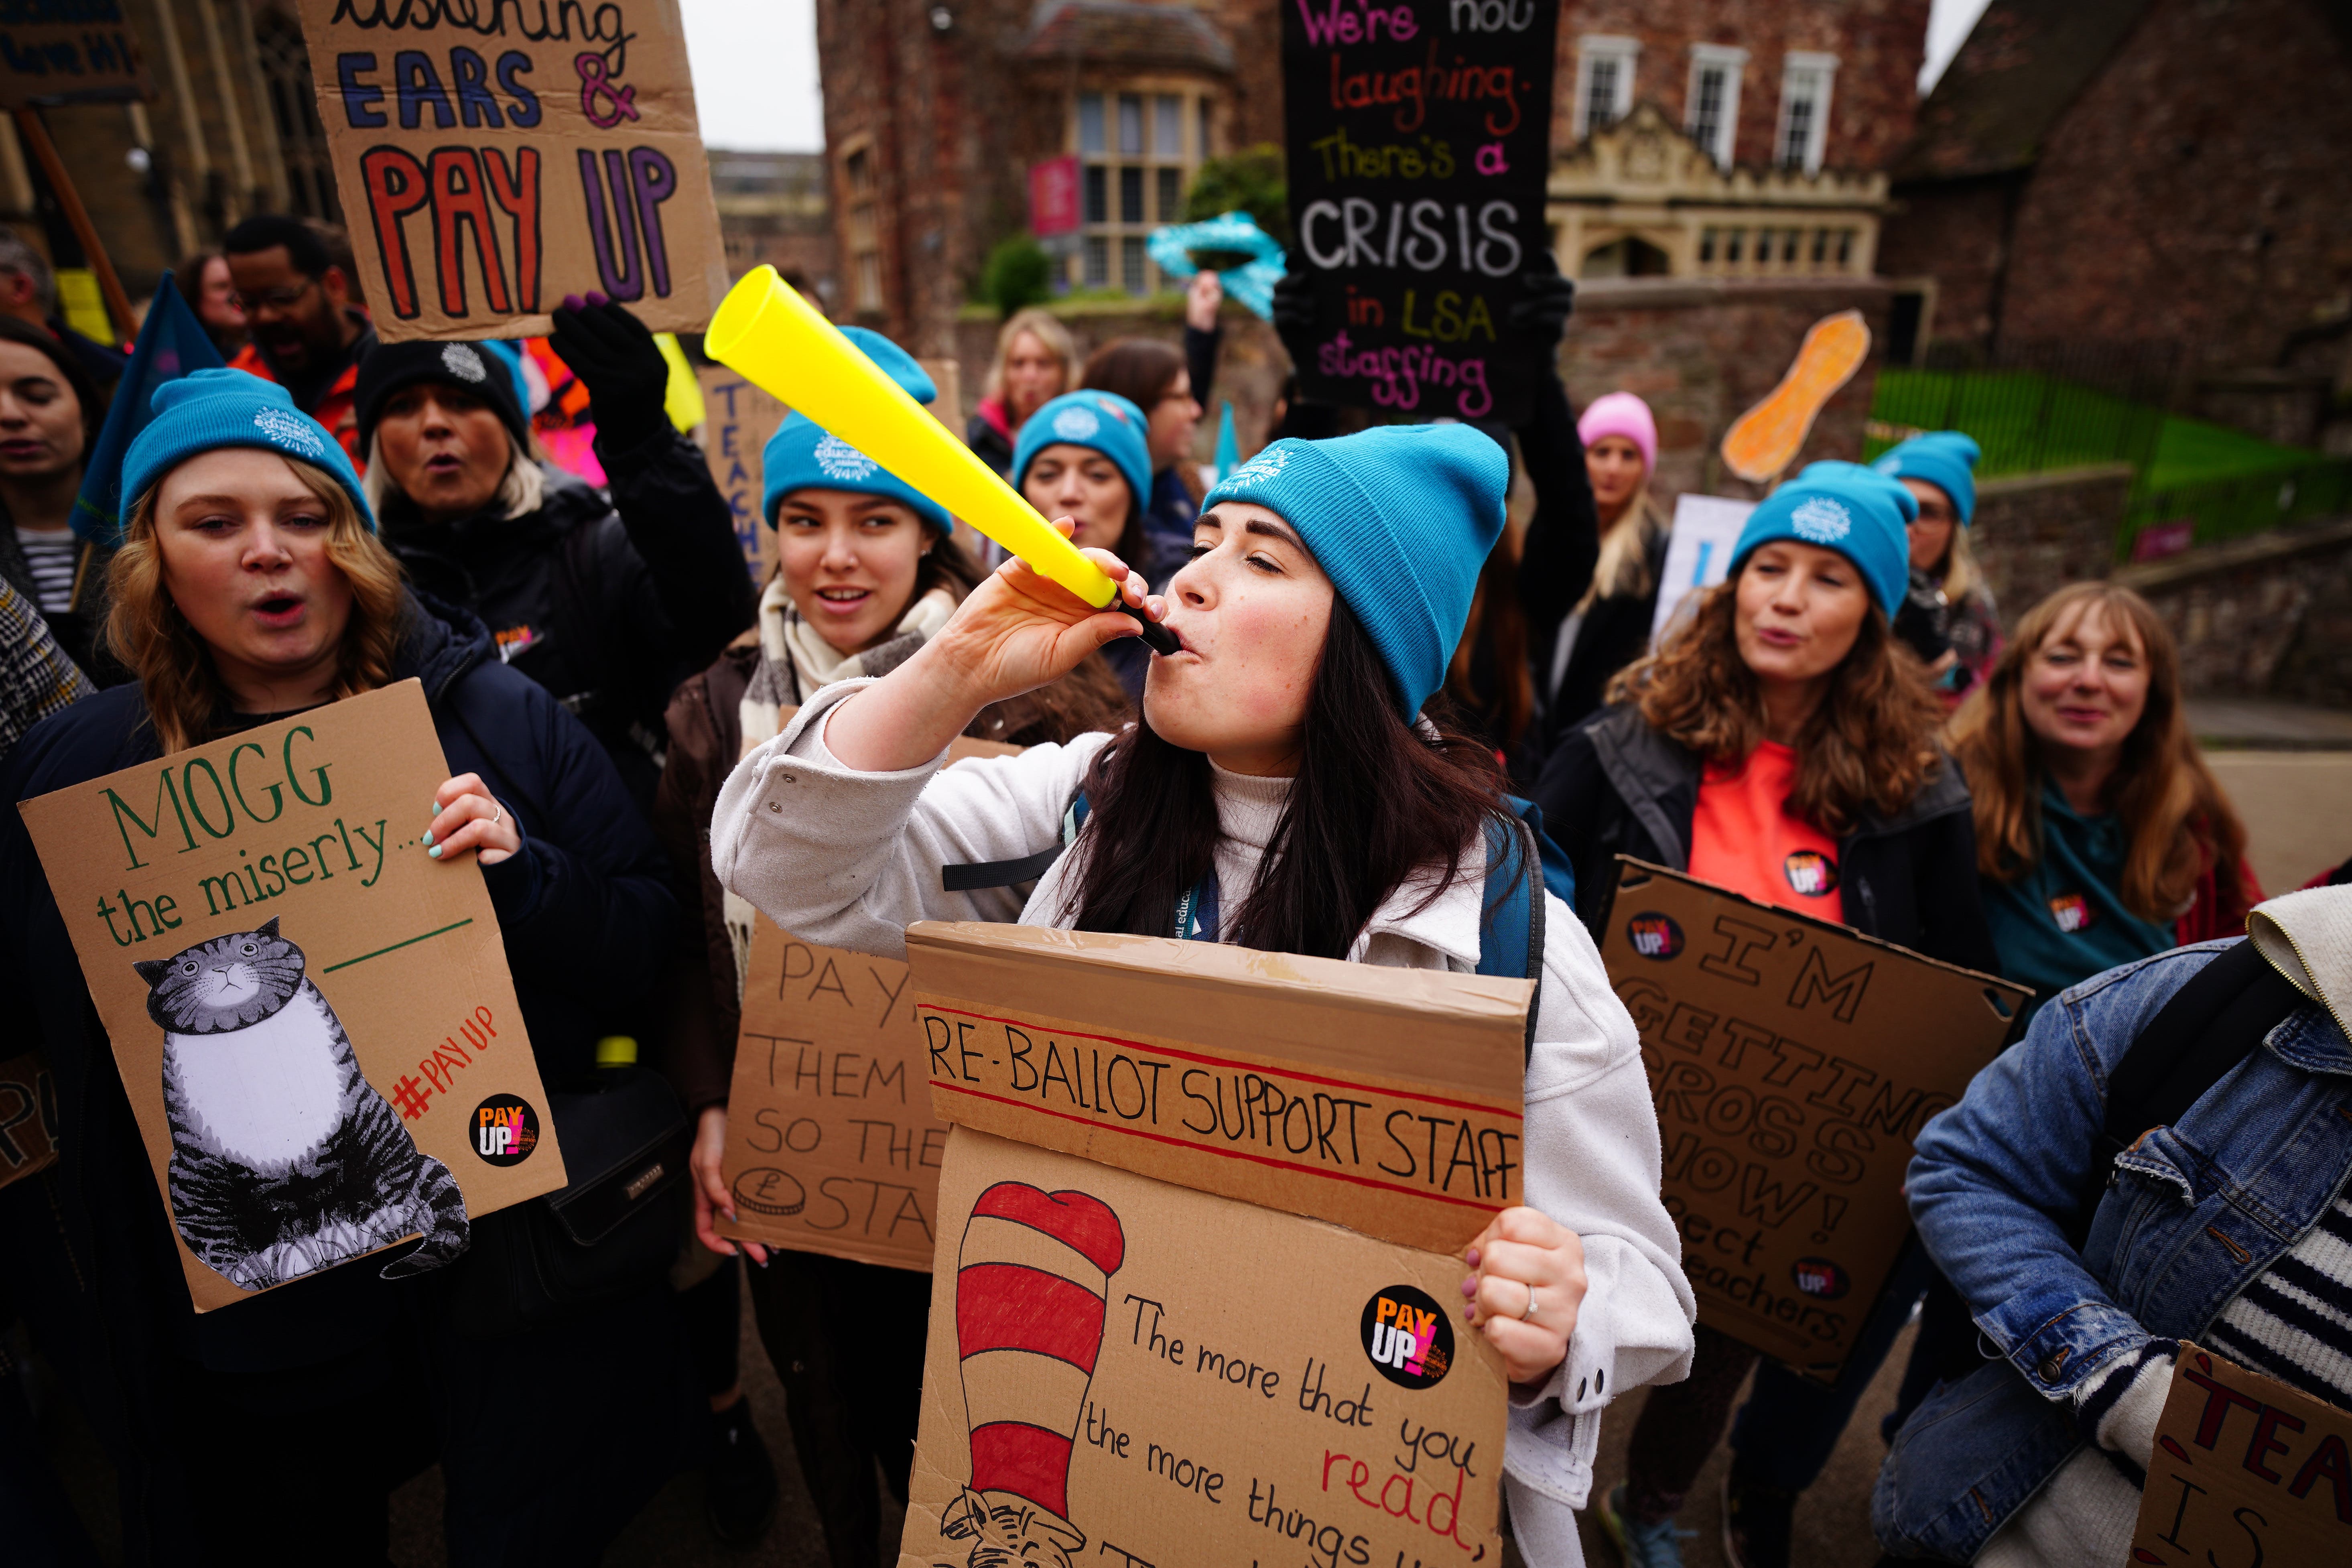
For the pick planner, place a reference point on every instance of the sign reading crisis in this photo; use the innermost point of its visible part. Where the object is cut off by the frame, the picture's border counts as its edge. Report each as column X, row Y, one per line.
column 2245, row 1470
column 1292, row 1082
column 83, row 52
column 831, row 1145
column 1419, row 137
column 313, row 1019
column 496, row 158
column 1793, row 1062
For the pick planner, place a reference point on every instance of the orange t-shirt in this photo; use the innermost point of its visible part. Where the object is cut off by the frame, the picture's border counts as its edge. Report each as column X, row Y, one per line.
column 1743, row 838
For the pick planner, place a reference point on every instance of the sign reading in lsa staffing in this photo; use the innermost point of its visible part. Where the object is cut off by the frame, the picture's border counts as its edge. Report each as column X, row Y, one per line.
column 493, row 159
column 313, row 1017
column 82, row 53
column 1698, row 553
column 1419, row 136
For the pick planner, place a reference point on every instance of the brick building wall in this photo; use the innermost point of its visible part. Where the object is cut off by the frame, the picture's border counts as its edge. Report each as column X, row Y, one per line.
column 1955, row 235
column 2196, row 189
column 1878, row 44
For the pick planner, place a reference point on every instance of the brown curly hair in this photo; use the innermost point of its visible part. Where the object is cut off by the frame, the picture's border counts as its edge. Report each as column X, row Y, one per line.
column 155, row 643
column 1870, row 747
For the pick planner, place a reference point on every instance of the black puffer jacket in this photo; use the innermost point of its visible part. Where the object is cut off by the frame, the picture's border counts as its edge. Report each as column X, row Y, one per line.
column 608, row 604
column 585, row 911
column 1615, row 786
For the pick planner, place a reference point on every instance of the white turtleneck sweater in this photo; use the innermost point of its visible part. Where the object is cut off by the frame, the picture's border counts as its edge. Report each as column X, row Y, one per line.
column 852, row 859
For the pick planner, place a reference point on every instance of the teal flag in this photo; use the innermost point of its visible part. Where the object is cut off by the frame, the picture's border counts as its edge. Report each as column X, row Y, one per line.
column 1229, row 451
column 172, row 344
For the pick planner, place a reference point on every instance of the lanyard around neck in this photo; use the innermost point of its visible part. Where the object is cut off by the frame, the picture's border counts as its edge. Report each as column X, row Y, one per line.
column 1196, row 911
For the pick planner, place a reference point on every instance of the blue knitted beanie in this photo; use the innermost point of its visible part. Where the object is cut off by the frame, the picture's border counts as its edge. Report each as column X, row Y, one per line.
column 1401, row 517
column 1945, row 458
column 1859, row 512
column 1102, row 420
column 208, row 409
column 800, row 456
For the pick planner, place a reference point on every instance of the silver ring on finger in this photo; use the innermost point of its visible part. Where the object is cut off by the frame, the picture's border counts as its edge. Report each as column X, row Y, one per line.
column 1530, row 1311
column 497, row 812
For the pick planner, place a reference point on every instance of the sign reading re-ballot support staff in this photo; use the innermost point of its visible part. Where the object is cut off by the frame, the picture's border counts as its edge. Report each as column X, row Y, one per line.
column 1159, row 1337
column 493, row 159
column 2245, row 1470
column 1793, row 1062
column 313, row 1018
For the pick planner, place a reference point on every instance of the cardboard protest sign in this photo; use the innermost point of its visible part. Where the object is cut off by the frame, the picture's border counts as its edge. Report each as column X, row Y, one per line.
column 1121, row 1371
column 494, row 159
column 1387, row 1100
column 738, row 419
column 1419, row 136
column 1698, row 553
column 831, row 1144
column 1793, row 1062
column 312, row 1018
column 83, row 53
column 2245, row 1470
column 29, row 1118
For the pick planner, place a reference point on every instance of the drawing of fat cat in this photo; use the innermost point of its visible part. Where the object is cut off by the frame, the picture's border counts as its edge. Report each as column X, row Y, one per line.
column 285, row 1159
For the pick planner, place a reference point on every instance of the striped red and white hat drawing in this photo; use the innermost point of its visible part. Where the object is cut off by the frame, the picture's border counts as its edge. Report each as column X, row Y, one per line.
column 1030, row 1287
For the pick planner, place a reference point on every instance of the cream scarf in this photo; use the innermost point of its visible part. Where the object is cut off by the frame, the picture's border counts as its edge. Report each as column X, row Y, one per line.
column 794, row 663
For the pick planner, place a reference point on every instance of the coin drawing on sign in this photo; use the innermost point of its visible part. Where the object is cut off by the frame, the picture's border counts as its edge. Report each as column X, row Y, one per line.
column 284, row 1161
column 1032, row 1280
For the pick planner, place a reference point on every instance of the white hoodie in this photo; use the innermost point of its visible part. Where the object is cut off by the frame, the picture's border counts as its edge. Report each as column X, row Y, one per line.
column 852, row 859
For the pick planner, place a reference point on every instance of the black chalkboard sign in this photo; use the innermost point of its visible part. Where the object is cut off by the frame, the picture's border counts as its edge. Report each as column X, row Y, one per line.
column 1420, row 133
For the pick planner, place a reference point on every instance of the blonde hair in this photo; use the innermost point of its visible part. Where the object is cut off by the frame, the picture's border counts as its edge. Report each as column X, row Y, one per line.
column 173, row 667
column 1623, row 570
column 523, row 492
column 1043, row 325
column 1960, row 571
column 2179, row 822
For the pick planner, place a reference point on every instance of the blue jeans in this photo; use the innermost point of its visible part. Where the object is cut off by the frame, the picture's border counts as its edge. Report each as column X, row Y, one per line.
column 1786, row 1431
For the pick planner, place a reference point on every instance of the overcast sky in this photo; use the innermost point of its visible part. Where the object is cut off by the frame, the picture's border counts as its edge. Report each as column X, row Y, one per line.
column 755, row 79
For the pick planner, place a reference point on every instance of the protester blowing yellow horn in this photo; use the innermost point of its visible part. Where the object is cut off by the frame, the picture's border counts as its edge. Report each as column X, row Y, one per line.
column 775, row 338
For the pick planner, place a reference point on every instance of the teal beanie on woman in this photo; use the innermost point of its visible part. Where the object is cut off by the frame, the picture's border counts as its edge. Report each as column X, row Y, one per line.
column 208, row 409
column 1401, row 517
column 802, row 455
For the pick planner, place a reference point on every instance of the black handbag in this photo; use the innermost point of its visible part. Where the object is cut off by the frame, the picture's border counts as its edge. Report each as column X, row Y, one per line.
column 612, row 1231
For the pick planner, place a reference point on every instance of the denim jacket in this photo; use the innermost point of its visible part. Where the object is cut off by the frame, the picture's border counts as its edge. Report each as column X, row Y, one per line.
column 2193, row 1212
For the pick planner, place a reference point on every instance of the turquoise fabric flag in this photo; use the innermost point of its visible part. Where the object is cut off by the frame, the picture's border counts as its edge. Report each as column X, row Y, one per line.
column 1229, row 451
column 172, row 344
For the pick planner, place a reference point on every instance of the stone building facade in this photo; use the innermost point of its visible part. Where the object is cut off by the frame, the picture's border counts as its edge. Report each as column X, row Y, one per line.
column 233, row 129
column 2148, row 171
column 772, row 212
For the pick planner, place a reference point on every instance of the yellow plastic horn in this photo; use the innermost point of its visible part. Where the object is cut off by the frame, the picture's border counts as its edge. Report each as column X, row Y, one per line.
column 765, row 331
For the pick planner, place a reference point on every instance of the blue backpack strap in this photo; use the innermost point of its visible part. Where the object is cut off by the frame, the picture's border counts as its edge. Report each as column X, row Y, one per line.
column 1511, row 917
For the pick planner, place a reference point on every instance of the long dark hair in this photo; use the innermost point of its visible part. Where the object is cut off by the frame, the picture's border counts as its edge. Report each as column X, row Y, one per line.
column 1375, row 801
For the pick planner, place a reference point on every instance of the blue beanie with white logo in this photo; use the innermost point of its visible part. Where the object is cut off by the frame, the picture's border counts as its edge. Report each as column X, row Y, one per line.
column 800, row 456
column 1401, row 517
column 1104, row 421
column 208, row 409
column 1859, row 512
column 1946, row 459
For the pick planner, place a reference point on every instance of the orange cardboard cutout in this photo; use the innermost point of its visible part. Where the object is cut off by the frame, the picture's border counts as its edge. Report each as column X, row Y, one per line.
column 2245, row 1470
column 493, row 159
column 313, row 1019
column 1763, row 442
column 1793, row 1062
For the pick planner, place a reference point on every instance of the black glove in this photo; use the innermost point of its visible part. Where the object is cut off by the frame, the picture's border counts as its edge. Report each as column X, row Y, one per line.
column 616, row 359
column 1539, row 316
column 1294, row 317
